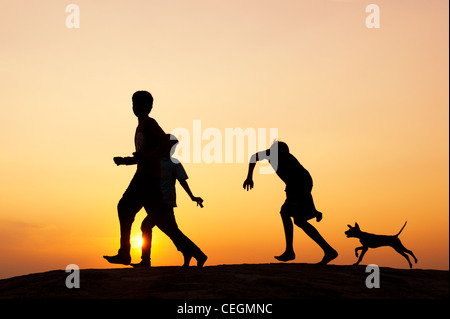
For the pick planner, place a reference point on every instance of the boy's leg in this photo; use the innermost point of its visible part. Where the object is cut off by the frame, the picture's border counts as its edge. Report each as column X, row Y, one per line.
column 288, row 233
column 153, row 203
column 168, row 226
column 129, row 205
column 127, row 210
column 312, row 232
column 147, row 231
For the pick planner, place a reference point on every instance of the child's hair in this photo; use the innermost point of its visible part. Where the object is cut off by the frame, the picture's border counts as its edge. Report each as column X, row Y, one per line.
column 143, row 98
column 282, row 146
column 173, row 143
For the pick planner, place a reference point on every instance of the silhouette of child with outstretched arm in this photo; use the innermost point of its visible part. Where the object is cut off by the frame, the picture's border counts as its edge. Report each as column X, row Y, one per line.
column 299, row 203
column 172, row 170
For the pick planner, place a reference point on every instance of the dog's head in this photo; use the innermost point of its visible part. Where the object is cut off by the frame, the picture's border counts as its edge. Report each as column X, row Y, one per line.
column 353, row 231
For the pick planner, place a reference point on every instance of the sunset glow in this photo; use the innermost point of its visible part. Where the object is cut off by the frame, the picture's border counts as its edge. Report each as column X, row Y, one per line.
column 366, row 111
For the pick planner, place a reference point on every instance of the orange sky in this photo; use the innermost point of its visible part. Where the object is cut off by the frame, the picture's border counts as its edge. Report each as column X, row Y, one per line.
column 364, row 110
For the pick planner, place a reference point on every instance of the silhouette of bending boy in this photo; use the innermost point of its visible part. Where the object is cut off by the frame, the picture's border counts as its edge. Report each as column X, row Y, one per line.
column 144, row 190
column 299, row 203
column 172, row 170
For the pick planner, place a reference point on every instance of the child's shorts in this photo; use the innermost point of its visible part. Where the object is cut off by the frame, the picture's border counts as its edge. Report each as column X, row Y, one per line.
column 301, row 207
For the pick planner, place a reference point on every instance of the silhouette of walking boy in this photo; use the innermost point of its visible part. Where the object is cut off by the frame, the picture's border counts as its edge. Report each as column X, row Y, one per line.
column 299, row 203
column 144, row 190
column 172, row 170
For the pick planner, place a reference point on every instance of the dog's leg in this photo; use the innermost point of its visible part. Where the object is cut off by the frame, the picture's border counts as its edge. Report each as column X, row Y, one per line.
column 408, row 251
column 363, row 251
column 356, row 250
column 411, row 253
column 400, row 249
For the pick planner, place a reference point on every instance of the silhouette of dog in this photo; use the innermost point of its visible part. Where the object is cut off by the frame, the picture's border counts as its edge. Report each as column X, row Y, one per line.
column 373, row 241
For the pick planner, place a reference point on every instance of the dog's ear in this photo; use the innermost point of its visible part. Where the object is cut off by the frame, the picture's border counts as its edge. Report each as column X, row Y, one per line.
column 356, row 226
column 349, row 226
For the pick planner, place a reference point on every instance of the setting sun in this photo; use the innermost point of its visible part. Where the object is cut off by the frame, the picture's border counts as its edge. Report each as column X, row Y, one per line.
column 136, row 242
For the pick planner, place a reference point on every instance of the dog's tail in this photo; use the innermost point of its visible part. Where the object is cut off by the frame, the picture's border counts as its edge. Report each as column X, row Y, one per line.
column 401, row 229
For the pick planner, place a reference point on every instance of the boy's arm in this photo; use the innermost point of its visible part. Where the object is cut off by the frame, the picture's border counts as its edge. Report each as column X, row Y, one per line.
column 125, row 160
column 185, row 185
column 248, row 183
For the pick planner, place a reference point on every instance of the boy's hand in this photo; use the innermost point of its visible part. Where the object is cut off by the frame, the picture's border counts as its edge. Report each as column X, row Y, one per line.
column 137, row 155
column 248, row 184
column 119, row 160
column 199, row 201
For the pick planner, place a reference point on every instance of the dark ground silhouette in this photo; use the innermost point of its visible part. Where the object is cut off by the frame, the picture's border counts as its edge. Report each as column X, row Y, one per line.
column 248, row 281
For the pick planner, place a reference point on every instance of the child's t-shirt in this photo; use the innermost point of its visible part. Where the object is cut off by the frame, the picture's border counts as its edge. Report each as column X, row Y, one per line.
column 170, row 173
column 294, row 175
column 148, row 135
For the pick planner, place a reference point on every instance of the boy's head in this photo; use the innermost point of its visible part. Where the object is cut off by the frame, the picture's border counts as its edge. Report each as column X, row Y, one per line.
column 142, row 103
column 282, row 147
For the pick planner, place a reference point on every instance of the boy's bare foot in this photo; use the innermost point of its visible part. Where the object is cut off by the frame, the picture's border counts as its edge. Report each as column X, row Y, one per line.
column 286, row 256
column 329, row 256
column 119, row 259
column 187, row 259
column 198, row 255
column 201, row 259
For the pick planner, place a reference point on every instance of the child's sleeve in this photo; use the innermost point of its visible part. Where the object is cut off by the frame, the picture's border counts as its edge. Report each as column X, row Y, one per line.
column 180, row 173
